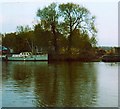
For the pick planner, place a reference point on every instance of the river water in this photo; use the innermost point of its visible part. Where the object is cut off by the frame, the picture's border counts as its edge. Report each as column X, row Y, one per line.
column 75, row 84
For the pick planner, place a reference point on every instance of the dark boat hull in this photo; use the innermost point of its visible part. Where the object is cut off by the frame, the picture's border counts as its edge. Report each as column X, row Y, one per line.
column 111, row 58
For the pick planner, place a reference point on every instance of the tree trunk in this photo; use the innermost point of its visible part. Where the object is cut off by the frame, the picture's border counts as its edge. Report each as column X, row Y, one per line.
column 70, row 38
column 54, row 38
column 69, row 43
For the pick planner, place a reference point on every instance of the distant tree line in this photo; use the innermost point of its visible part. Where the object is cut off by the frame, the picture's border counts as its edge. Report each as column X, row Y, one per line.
column 62, row 29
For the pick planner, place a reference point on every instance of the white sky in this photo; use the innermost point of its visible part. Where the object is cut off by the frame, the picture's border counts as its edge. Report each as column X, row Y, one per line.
column 23, row 12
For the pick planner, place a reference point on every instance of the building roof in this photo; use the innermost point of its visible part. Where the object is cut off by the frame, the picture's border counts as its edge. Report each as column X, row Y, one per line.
column 3, row 48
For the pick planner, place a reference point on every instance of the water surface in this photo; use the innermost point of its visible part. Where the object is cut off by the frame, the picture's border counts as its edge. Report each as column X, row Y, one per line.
column 42, row 84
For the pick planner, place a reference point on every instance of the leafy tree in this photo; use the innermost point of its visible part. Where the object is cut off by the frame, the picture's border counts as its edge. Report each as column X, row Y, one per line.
column 1, row 35
column 23, row 29
column 8, row 40
column 42, row 37
column 76, row 17
column 49, row 18
column 24, row 39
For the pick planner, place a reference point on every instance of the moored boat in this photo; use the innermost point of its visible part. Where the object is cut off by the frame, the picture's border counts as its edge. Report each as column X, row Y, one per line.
column 26, row 56
column 111, row 58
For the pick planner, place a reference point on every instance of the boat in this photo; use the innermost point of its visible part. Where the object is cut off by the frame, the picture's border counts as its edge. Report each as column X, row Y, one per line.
column 34, row 55
column 26, row 56
column 111, row 58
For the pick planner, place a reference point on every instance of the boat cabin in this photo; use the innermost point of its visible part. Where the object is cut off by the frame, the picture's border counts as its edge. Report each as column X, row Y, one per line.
column 22, row 54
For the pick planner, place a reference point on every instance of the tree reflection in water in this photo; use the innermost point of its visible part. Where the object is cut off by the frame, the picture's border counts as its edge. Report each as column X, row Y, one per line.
column 55, row 84
column 66, row 85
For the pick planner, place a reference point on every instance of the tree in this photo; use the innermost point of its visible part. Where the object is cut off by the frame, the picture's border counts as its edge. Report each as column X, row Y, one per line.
column 49, row 18
column 23, row 29
column 74, row 17
column 24, row 39
column 8, row 40
column 42, row 37
column 1, row 35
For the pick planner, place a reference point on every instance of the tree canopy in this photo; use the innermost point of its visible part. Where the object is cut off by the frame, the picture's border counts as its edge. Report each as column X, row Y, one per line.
column 65, row 19
column 62, row 28
column 76, row 17
column 49, row 20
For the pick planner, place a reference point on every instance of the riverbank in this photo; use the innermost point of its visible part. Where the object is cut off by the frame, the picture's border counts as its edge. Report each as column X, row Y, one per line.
column 65, row 57
column 73, row 57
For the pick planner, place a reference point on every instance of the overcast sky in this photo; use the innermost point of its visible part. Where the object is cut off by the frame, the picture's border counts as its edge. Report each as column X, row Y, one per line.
column 18, row 13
